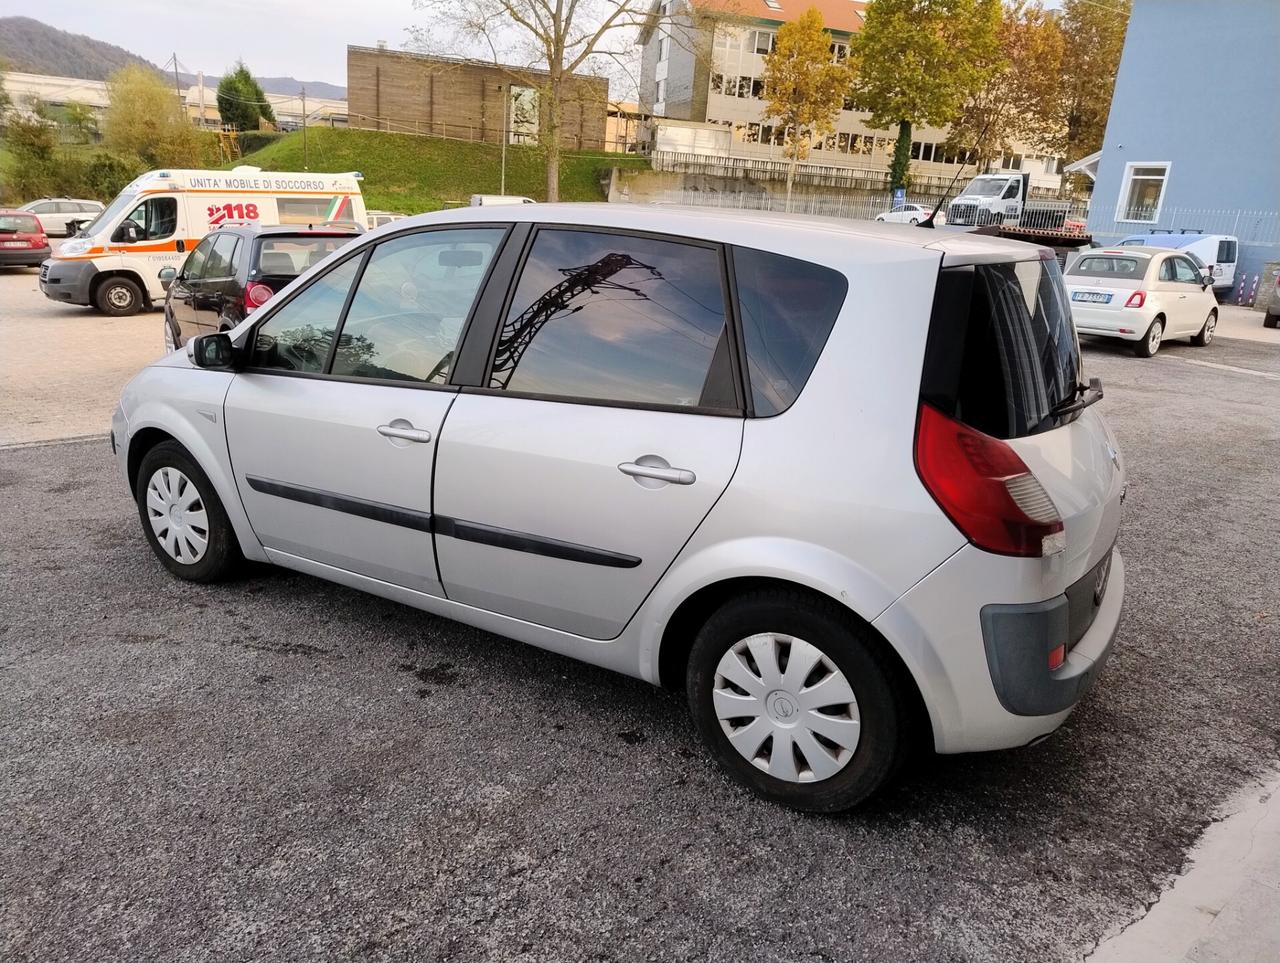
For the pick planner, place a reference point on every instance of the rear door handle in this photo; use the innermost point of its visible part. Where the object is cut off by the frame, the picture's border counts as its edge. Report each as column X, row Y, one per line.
column 420, row 435
column 674, row 476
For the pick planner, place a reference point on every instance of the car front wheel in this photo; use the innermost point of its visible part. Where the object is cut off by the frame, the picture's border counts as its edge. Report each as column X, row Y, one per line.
column 118, row 297
column 1205, row 335
column 182, row 516
column 795, row 698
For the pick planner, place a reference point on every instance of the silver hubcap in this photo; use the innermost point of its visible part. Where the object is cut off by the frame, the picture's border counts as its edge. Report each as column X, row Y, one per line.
column 119, row 296
column 786, row 708
column 177, row 516
column 1210, row 323
column 1153, row 339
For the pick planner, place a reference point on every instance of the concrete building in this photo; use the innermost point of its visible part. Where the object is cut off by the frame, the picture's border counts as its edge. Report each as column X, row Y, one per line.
column 413, row 93
column 1203, row 158
column 701, row 64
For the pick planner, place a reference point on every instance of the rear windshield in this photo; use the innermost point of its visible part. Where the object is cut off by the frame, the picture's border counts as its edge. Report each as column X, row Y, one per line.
column 1110, row 266
column 290, row 256
column 24, row 223
column 1002, row 352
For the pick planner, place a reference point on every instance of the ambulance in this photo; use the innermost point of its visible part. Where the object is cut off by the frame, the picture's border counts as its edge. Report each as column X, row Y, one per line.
column 114, row 262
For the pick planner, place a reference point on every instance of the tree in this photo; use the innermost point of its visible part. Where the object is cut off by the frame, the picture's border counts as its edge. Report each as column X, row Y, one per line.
column 5, row 102
column 1094, row 39
column 146, row 120
column 241, row 100
column 804, row 87
column 1022, row 99
column 32, row 141
column 82, row 120
column 919, row 62
column 560, row 37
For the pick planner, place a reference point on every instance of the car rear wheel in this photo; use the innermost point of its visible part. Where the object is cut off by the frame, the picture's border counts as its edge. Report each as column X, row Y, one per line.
column 1271, row 320
column 795, row 699
column 182, row 516
column 118, row 297
column 1150, row 343
column 1206, row 331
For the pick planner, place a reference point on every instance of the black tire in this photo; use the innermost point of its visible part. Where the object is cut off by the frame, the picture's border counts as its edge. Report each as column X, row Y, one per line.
column 883, row 700
column 1270, row 320
column 1205, row 335
column 118, row 297
column 222, row 553
column 1143, row 348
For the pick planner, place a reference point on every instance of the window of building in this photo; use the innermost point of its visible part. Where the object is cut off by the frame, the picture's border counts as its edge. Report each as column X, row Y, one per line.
column 613, row 317
column 848, row 103
column 762, row 41
column 660, row 92
column 773, row 4
column 664, row 45
column 915, row 150
column 1142, row 192
column 839, row 52
column 757, row 88
column 788, row 309
column 926, row 152
column 727, row 39
column 842, row 142
column 297, row 337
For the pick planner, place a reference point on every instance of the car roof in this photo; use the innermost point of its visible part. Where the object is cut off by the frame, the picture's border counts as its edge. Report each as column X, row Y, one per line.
column 1170, row 241
column 762, row 229
column 256, row 230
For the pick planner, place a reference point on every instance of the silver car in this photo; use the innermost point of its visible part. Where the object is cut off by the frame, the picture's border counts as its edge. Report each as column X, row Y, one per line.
column 841, row 483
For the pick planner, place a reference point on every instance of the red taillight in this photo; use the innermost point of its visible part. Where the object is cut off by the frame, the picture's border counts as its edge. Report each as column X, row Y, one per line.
column 1057, row 656
column 985, row 488
column 1136, row 300
column 256, row 295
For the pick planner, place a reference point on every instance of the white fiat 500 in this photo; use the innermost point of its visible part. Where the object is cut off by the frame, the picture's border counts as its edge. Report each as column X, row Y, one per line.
column 842, row 484
column 1144, row 295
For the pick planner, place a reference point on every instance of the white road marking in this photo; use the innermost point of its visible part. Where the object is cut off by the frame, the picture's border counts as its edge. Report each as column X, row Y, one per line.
column 1269, row 375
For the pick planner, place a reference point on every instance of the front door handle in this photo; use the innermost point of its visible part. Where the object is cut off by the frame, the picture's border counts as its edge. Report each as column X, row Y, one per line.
column 407, row 432
column 673, row 476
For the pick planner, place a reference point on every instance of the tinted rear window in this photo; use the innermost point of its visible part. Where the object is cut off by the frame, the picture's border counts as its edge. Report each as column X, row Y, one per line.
column 19, row 222
column 788, row 307
column 1110, row 266
column 290, row 256
column 1002, row 351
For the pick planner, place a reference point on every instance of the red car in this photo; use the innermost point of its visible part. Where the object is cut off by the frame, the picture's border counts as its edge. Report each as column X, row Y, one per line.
column 22, row 239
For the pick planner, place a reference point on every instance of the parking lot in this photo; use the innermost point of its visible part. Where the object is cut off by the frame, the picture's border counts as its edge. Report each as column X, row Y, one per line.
column 283, row 769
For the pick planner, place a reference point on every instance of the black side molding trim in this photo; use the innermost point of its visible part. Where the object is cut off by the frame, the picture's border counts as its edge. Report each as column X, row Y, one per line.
column 443, row 525
column 378, row 511
column 533, row 544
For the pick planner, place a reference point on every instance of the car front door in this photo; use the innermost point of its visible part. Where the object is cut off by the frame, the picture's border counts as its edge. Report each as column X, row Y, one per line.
column 182, row 292
column 1193, row 300
column 333, row 426
column 217, row 283
column 608, row 422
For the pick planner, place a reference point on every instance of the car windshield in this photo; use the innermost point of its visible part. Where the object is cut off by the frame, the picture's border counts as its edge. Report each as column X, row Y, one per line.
column 18, row 223
column 290, row 255
column 111, row 212
column 986, row 186
column 1109, row 266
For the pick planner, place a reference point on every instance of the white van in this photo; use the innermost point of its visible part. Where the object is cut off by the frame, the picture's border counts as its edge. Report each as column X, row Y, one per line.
column 113, row 263
column 1217, row 252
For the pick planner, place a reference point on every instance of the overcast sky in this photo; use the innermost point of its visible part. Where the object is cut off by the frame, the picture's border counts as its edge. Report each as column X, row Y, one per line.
column 306, row 39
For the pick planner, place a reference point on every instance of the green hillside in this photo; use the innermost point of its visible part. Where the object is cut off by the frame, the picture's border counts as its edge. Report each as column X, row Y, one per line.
column 412, row 174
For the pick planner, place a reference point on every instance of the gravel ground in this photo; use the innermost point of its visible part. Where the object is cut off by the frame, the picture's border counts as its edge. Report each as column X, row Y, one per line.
column 282, row 769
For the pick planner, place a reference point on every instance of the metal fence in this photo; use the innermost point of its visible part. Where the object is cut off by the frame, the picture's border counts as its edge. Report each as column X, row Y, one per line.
column 1249, row 227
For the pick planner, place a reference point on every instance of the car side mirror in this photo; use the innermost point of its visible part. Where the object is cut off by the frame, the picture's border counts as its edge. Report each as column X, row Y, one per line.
column 211, row 351
column 167, row 276
column 1206, row 279
column 127, row 233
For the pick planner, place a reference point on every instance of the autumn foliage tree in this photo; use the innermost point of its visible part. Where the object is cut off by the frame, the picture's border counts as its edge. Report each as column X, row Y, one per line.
column 920, row 61
column 1093, row 39
column 1021, row 101
column 145, row 120
column 804, row 87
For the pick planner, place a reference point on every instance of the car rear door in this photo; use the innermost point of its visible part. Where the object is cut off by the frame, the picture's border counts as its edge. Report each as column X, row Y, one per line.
column 605, row 423
column 334, row 425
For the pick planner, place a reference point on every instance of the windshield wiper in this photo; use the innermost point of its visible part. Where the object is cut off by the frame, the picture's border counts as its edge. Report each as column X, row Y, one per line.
column 1081, row 397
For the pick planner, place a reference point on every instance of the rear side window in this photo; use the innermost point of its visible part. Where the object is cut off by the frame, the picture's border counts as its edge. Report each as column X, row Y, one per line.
column 788, row 308
column 1226, row 252
column 617, row 318
column 1110, row 266
column 1002, row 351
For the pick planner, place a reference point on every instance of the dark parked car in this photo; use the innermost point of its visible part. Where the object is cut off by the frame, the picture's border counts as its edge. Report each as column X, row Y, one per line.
column 22, row 240
column 237, row 269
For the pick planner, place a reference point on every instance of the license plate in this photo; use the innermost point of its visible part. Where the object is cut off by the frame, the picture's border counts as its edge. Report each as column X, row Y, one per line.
column 14, row 244
column 1092, row 297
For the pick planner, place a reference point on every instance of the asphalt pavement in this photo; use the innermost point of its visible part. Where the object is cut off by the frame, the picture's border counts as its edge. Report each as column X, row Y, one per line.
column 283, row 769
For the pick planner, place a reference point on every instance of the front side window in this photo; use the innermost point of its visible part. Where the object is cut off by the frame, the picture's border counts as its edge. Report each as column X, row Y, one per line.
column 193, row 268
column 297, row 337
column 412, row 303
column 1185, row 271
column 1142, row 192
column 220, row 258
column 155, row 218
column 788, row 308
column 610, row 317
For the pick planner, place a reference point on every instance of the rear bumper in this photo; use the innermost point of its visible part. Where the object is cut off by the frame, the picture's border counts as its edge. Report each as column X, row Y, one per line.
column 1124, row 323
column 968, row 694
column 69, row 281
column 23, row 257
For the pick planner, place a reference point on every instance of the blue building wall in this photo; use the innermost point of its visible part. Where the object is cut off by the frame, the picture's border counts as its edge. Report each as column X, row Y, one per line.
column 1199, row 88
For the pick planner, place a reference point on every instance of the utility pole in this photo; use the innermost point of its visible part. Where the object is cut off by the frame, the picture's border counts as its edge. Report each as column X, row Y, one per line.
column 304, row 130
column 506, row 101
column 177, row 89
